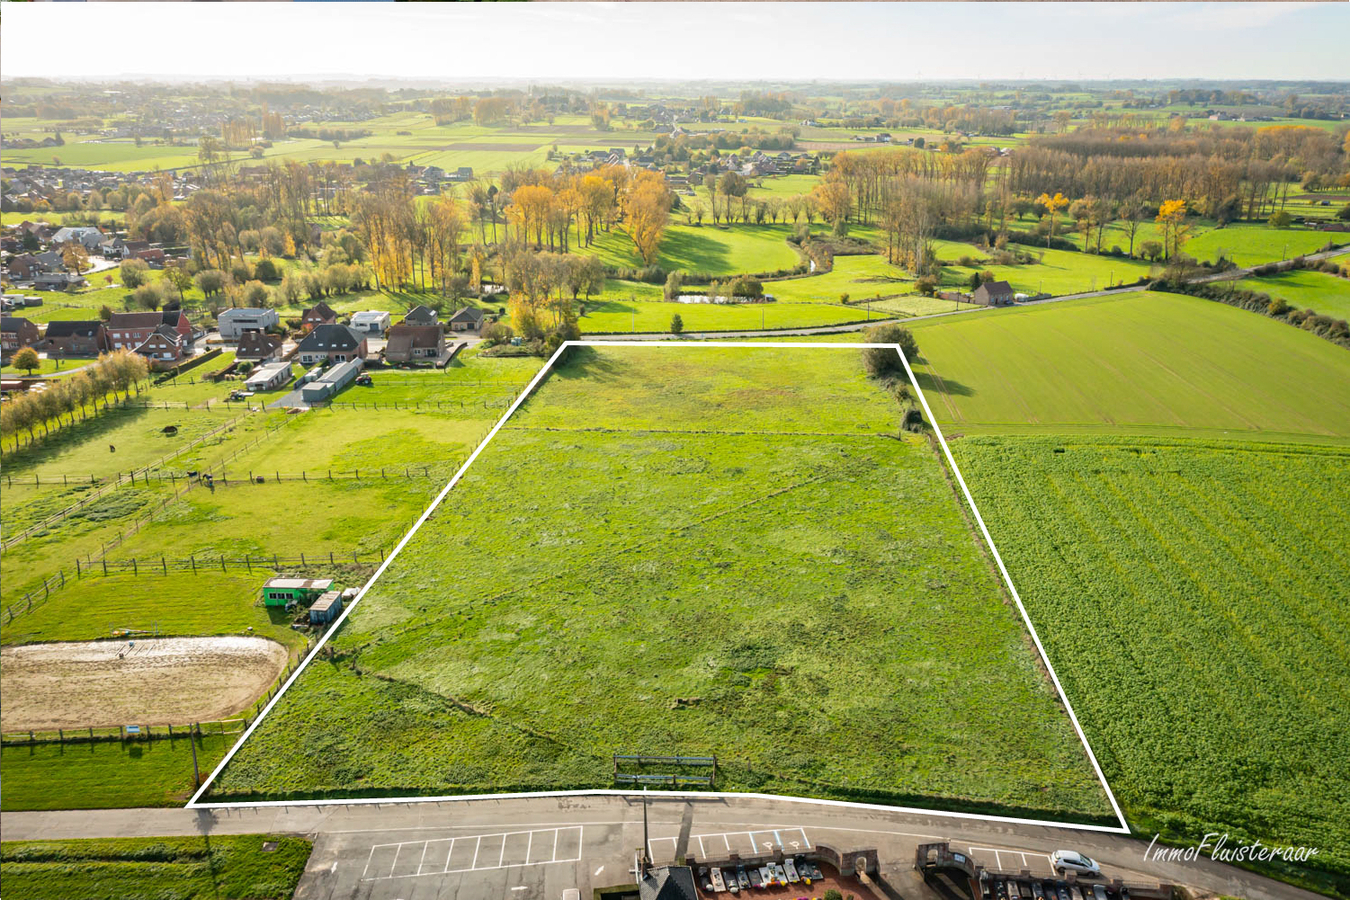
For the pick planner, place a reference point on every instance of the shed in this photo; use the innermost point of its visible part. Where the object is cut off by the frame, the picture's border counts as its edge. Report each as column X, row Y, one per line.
column 332, row 381
column 269, row 376
column 326, row 608
column 281, row 590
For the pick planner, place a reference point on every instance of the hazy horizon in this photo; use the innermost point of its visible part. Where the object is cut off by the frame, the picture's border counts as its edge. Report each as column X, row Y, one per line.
column 629, row 43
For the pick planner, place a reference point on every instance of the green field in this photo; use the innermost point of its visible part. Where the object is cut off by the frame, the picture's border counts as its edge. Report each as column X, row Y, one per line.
column 1056, row 272
column 1135, row 363
column 1318, row 291
column 106, row 774
column 1251, row 245
column 708, row 250
column 780, row 579
column 1194, row 598
column 219, row 867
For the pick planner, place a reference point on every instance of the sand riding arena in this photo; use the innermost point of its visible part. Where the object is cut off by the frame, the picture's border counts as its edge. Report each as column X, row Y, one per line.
column 153, row 681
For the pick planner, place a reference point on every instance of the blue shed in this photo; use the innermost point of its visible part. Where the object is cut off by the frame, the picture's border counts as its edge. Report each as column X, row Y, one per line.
column 326, row 608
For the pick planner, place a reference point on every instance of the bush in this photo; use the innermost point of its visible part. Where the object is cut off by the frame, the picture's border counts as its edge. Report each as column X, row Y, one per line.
column 926, row 285
column 883, row 361
column 497, row 333
column 676, row 324
column 266, row 270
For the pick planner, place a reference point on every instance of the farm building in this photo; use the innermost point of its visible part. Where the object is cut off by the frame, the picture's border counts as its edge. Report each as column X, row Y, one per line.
column 993, row 293
column 326, row 608
column 234, row 322
column 371, row 321
column 332, row 381
column 281, row 590
column 470, row 318
column 269, row 376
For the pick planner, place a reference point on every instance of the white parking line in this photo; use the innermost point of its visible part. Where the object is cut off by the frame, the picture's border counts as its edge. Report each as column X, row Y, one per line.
column 745, row 843
column 1028, row 859
column 382, row 871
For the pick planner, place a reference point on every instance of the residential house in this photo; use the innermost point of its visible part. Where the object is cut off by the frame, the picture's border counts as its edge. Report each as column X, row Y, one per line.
column 114, row 248
column 422, row 315
column 331, row 344
column 86, row 236
column 318, row 314
column 17, row 332
column 165, row 348
column 58, row 281
column 24, row 267
column 154, row 257
column 372, row 321
column 993, row 293
column 74, row 338
column 128, row 330
column 50, row 261
column 414, row 343
column 258, row 346
column 470, row 318
column 235, row 321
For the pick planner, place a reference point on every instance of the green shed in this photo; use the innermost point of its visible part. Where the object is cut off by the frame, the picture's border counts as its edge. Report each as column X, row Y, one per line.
column 282, row 590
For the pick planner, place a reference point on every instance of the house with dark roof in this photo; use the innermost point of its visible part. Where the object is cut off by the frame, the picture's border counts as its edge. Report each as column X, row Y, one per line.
column 470, row 318
column 667, row 883
column 165, row 348
column 17, row 332
column 331, row 344
column 422, row 315
column 993, row 293
column 74, row 338
column 24, row 266
column 258, row 346
column 414, row 343
column 58, row 281
column 318, row 314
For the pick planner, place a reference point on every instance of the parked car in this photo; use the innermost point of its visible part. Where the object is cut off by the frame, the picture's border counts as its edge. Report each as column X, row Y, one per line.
column 1073, row 861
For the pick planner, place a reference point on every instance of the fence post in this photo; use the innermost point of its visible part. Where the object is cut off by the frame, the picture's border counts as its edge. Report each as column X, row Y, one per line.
column 222, row 562
column 193, row 559
column 104, row 560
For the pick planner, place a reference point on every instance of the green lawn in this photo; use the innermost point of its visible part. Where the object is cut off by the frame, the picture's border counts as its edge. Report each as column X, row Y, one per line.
column 106, row 774
column 1056, row 272
column 1253, row 244
column 180, row 603
column 653, row 558
column 623, row 316
column 707, row 250
column 211, row 867
column 1318, row 291
column 1194, row 598
column 1135, row 363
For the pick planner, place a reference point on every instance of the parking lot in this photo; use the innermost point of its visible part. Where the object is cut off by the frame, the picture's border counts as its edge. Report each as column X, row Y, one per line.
column 997, row 859
column 720, row 844
column 473, row 853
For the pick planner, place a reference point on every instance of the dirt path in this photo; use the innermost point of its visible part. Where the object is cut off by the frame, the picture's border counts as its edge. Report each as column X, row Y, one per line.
column 152, row 681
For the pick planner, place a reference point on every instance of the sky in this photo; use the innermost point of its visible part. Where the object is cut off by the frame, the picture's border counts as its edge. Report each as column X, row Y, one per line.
column 685, row 41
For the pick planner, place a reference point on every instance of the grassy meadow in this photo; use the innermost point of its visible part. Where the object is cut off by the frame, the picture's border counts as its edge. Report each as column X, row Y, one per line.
column 779, row 588
column 1322, row 293
column 1134, row 363
column 213, row 867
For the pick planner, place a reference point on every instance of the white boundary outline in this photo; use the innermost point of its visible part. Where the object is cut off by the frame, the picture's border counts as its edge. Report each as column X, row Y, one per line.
column 196, row 802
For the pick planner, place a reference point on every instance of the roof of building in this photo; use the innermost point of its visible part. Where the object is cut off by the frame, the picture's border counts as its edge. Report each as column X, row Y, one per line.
column 284, row 583
column 248, row 311
column 369, row 315
column 422, row 315
column 321, row 309
column 339, row 372
column 331, row 337
column 137, row 320
column 403, row 338
column 468, row 314
column 256, row 344
column 165, row 332
column 12, row 323
column 70, row 328
column 668, row 883
column 997, row 287
column 327, row 600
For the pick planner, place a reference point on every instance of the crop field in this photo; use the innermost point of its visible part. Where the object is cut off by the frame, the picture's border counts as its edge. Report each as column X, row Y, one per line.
column 1134, row 363
column 1194, row 598
column 211, row 867
column 615, row 316
column 777, row 504
column 1318, row 291
column 708, row 249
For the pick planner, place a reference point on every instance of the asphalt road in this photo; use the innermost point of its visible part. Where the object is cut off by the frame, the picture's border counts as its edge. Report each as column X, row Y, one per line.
column 533, row 848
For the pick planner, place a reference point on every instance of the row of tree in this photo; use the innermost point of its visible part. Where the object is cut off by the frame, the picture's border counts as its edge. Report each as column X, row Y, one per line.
column 73, row 395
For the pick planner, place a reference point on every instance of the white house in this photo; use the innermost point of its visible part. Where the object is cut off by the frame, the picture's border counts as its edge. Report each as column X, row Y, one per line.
column 371, row 321
column 235, row 321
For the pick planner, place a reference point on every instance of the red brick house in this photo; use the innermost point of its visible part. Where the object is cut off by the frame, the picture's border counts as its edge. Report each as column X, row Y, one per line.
column 165, row 348
column 414, row 343
column 128, row 330
column 16, row 333
column 24, row 266
column 318, row 314
column 331, row 344
column 73, row 338
column 993, row 293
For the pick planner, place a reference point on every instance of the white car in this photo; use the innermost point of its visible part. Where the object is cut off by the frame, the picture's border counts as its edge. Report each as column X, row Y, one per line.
column 1073, row 861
